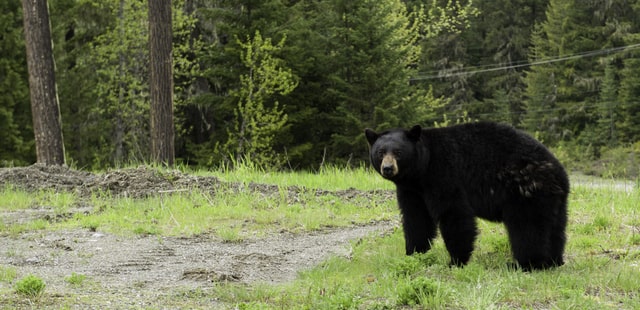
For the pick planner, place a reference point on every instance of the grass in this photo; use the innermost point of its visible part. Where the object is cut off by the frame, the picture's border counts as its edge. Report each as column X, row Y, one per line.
column 602, row 270
column 7, row 274
column 231, row 215
column 328, row 178
column 75, row 279
column 228, row 213
column 30, row 286
column 602, row 257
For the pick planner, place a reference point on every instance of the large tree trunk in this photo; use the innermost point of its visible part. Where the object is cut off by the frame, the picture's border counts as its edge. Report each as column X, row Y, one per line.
column 45, row 108
column 161, row 83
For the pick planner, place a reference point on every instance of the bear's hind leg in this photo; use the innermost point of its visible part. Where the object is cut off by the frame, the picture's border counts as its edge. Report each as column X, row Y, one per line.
column 418, row 226
column 558, row 237
column 533, row 236
column 530, row 246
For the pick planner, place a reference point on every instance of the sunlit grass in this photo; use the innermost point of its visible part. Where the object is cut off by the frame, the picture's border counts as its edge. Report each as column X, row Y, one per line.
column 327, row 178
column 231, row 215
column 602, row 270
column 15, row 199
column 7, row 273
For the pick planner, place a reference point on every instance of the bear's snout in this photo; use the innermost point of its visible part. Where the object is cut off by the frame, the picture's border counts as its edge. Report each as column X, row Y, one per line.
column 389, row 167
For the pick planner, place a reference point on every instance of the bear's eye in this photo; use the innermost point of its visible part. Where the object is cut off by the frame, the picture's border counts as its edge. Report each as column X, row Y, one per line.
column 381, row 153
column 397, row 152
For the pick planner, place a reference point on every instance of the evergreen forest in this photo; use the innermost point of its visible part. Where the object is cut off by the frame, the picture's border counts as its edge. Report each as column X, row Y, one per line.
column 291, row 84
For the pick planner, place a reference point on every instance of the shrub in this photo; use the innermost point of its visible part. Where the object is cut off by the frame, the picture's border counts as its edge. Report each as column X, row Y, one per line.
column 30, row 286
column 415, row 291
column 75, row 279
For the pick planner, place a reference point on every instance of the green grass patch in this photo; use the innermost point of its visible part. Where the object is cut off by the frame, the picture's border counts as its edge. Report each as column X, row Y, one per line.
column 47, row 207
column 230, row 214
column 7, row 274
column 602, row 270
column 327, row 178
column 14, row 199
column 30, row 286
column 76, row 279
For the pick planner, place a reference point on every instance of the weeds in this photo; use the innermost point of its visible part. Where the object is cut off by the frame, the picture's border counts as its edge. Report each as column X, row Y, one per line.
column 7, row 274
column 601, row 269
column 30, row 286
column 421, row 291
column 75, row 279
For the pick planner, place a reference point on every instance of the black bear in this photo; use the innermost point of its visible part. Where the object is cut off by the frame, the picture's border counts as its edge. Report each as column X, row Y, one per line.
column 446, row 177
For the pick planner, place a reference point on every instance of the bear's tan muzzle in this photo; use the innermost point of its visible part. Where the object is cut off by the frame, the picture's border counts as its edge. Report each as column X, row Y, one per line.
column 389, row 166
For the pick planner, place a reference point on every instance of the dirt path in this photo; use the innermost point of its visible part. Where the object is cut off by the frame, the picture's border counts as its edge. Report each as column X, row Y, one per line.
column 152, row 266
column 138, row 270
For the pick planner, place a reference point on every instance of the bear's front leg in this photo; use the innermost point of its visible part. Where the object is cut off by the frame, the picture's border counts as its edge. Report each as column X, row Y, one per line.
column 418, row 225
column 459, row 231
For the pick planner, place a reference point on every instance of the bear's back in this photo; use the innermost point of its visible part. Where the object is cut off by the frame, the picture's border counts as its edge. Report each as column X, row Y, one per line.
column 487, row 156
column 483, row 142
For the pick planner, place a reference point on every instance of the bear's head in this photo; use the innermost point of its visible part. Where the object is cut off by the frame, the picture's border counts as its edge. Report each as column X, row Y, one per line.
column 393, row 152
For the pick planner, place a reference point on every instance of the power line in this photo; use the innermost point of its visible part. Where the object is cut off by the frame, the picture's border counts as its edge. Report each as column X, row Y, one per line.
column 436, row 75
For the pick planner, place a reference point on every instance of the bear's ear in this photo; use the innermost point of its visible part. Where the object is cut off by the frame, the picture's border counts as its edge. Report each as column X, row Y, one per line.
column 414, row 133
column 371, row 135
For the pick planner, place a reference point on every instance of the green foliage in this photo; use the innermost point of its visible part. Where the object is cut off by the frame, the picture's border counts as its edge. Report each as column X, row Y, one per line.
column 629, row 124
column 608, row 162
column 452, row 16
column 418, row 291
column 376, row 43
column 607, row 110
column 8, row 274
column 378, row 276
column 545, row 82
column 16, row 138
column 258, row 125
column 30, row 286
column 561, row 102
column 102, row 72
column 344, row 65
column 75, row 279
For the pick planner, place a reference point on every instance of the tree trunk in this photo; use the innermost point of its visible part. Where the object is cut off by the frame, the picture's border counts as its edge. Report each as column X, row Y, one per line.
column 161, row 83
column 45, row 108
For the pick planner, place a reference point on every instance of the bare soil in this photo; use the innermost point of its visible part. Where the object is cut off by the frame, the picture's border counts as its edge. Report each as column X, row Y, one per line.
column 149, row 271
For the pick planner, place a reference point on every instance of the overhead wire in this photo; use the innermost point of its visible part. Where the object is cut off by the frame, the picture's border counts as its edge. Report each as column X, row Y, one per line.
column 520, row 64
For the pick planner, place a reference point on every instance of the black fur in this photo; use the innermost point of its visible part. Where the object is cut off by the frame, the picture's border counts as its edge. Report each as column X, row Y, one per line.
column 446, row 177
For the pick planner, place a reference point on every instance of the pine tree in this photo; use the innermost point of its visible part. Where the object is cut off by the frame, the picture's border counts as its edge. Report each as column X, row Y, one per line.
column 628, row 31
column 607, row 107
column 501, row 37
column 629, row 124
column 558, row 100
column 257, row 124
column 16, row 133
column 541, row 93
column 577, row 29
column 374, row 47
column 223, row 26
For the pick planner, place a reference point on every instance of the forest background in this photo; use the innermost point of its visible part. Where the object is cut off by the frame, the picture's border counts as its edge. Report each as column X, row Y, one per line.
column 292, row 84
